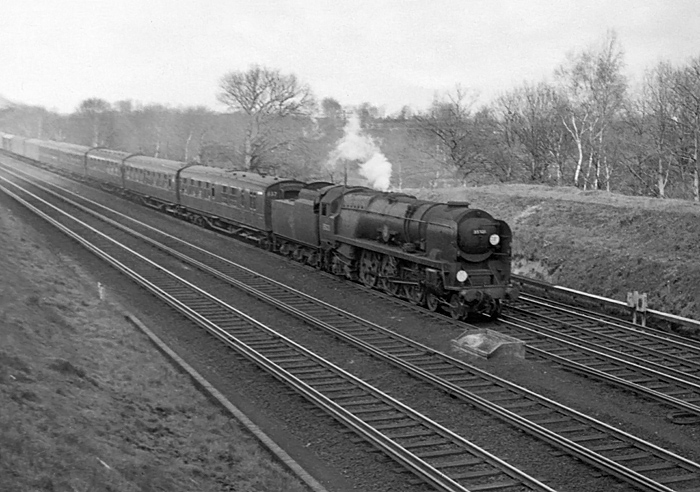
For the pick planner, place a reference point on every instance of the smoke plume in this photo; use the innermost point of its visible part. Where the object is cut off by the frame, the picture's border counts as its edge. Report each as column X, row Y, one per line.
column 357, row 147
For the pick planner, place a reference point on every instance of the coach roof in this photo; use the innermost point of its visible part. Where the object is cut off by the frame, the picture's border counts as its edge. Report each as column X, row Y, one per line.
column 228, row 177
column 154, row 164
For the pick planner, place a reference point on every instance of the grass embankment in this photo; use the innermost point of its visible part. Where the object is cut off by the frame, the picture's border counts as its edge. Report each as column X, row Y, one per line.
column 87, row 403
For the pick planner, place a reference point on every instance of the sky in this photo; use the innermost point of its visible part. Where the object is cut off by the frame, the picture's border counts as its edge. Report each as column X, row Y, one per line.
column 389, row 53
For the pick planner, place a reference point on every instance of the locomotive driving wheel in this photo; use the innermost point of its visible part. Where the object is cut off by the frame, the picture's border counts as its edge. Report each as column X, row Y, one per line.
column 369, row 269
column 432, row 301
column 337, row 265
column 389, row 270
column 415, row 294
column 456, row 308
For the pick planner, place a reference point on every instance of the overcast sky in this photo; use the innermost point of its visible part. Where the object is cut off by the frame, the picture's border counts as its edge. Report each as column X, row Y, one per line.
column 56, row 53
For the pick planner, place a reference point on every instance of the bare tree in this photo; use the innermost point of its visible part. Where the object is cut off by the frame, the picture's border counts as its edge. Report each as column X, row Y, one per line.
column 96, row 112
column 653, row 133
column 532, row 115
column 193, row 126
column 331, row 108
column 451, row 133
column 594, row 86
column 368, row 114
column 687, row 121
column 264, row 95
column 154, row 126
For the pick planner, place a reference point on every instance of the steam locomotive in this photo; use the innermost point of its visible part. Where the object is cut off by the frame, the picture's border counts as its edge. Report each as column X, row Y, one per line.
column 439, row 255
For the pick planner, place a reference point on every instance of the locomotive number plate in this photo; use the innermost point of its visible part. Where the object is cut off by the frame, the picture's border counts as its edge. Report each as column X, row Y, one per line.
column 479, row 231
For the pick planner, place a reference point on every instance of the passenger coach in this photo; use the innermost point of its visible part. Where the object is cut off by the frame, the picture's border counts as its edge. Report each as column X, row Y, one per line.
column 237, row 202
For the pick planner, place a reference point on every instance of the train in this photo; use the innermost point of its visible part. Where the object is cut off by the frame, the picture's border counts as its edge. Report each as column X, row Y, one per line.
column 443, row 256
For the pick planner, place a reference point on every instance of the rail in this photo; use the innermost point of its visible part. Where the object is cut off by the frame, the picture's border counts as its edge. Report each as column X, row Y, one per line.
column 613, row 303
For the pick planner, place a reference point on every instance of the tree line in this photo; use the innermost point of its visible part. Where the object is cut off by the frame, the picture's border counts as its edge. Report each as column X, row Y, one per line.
column 589, row 127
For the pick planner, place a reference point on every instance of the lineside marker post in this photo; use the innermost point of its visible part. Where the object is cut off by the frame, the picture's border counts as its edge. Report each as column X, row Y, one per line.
column 638, row 303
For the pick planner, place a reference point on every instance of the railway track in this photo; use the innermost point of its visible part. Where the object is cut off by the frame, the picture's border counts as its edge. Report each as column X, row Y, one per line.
column 661, row 366
column 658, row 365
column 568, row 310
column 430, row 451
column 631, row 336
column 619, row 454
column 666, row 369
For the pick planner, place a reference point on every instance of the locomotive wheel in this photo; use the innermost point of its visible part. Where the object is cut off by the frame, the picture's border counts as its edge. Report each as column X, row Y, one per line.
column 314, row 259
column 389, row 270
column 337, row 267
column 456, row 309
column 266, row 244
column 368, row 279
column 432, row 301
column 415, row 294
column 298, row 254
column 393, row 288
column 368, row 269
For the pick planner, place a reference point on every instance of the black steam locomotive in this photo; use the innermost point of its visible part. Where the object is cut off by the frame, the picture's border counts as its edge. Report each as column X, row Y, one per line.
column 437, row 254
column 440, row 255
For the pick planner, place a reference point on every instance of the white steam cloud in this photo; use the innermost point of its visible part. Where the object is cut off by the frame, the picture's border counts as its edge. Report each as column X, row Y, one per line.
column 357, row 147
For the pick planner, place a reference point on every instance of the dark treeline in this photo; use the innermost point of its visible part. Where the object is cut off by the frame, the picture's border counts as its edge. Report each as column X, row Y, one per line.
column 588, row 127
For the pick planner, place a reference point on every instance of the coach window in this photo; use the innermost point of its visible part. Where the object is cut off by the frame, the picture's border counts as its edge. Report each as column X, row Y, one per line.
column 253, row 201
column 243, row 192
column 324, row 209
column 213, row 190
